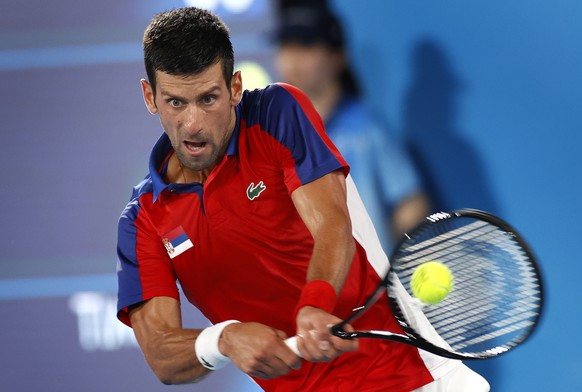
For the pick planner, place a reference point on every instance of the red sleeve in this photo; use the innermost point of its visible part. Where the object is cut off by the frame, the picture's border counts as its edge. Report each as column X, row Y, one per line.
column 144, row 270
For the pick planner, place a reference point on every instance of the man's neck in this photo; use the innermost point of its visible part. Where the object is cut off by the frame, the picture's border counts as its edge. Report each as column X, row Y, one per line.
column 326, row 100
column 179, row 174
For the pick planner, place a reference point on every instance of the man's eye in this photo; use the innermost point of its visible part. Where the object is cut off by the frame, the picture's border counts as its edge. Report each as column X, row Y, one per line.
column 208, row 99
column 175, row 103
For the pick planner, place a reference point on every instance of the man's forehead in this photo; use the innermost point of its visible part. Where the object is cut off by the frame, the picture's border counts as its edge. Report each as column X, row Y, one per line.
column 206, row 78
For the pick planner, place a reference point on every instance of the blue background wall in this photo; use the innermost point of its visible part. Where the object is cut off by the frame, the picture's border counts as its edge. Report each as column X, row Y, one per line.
column 487, row 95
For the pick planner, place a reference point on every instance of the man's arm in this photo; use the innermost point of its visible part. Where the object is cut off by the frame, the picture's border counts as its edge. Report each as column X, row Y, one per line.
column 322, row 206
column 409, row 213
column 169, row 349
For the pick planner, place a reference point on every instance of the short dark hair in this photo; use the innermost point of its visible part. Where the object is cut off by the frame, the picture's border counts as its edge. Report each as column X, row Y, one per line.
column 186, row 41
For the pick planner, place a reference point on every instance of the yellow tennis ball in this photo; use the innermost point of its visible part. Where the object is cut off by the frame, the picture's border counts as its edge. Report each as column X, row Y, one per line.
column 431, row 282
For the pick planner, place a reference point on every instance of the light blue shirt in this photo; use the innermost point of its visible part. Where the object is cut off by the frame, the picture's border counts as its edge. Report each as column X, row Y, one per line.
column 379, row 165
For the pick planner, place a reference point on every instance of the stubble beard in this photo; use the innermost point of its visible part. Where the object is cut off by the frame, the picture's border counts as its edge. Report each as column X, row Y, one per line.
column 196, row 164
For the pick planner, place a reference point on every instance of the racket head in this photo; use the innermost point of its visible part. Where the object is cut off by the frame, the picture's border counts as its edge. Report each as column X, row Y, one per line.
column 497, row 297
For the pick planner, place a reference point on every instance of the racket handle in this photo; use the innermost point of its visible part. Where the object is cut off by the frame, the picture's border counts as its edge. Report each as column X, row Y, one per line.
column 292, row 344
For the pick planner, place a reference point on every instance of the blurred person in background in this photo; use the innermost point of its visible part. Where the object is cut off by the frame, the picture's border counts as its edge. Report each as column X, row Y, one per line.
column 311, row 55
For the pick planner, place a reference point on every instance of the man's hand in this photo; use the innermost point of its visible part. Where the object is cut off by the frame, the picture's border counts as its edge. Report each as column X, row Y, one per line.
column 314, row 340
column 258, row 350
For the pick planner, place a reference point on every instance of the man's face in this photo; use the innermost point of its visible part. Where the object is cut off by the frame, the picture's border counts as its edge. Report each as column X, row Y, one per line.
column 309, row 67
column 196, row 112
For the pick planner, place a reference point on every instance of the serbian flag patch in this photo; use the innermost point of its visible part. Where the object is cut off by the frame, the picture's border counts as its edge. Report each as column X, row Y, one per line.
column 176, row 242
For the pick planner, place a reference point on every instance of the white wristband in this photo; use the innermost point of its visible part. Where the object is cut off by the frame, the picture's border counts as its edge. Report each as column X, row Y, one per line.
column 206, row 346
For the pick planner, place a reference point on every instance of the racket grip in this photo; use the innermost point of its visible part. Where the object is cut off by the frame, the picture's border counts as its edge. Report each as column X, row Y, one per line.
column 292, row 344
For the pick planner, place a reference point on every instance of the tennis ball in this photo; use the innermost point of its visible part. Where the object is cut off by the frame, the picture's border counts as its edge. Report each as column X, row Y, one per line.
column 431, row 282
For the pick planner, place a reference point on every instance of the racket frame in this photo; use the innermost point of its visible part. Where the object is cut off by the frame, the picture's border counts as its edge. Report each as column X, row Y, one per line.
column 410, row 335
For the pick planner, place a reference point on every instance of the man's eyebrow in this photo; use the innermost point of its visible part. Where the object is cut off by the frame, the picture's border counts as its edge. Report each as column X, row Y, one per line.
column 210, row 90
column 167, row 94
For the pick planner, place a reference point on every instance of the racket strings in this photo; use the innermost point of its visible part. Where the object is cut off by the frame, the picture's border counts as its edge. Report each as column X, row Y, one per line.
column 496, row 295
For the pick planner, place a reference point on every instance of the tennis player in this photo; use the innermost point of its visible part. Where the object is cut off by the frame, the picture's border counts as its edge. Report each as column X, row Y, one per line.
column 249, row 206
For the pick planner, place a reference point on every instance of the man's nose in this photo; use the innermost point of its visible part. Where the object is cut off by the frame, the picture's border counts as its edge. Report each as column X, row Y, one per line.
column 192, row 119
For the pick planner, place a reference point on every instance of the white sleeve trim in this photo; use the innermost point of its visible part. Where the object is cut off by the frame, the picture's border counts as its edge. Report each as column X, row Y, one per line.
column 364, row 232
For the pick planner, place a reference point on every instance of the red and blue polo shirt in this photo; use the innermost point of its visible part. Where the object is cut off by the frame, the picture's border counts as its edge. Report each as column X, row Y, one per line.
column 236, row 243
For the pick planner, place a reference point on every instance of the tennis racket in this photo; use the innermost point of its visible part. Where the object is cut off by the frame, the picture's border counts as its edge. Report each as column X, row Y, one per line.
column 497, row 296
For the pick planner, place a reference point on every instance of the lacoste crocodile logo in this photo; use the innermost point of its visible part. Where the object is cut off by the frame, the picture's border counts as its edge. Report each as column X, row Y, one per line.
column 253, row 191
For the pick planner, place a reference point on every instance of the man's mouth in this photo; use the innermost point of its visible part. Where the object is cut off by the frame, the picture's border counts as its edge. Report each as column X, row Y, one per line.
column 194, row 146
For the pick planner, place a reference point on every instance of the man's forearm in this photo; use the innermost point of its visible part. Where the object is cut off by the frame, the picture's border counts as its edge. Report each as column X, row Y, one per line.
column 172, row 357
column 332, row 256
column 168, row 348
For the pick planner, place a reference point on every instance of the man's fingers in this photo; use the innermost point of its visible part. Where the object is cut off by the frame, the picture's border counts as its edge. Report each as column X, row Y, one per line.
column 260, row 351
column 344, row 345
column 316, row 347
column 285, row 359
column 288, row 357
column 281, row 334
column 271, row 367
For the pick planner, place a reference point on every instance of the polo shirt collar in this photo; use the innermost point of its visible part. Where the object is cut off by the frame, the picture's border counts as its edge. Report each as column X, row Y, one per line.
column 162, row 148
column 157, row 158
column 232, row 148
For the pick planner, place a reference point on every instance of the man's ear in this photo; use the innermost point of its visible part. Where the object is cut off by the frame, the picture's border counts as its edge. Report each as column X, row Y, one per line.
column 236, row 88
column 148, row 96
